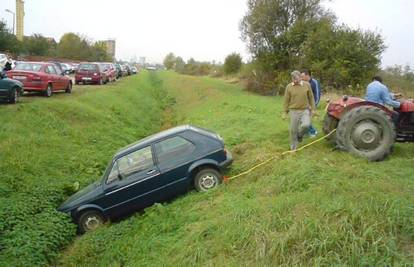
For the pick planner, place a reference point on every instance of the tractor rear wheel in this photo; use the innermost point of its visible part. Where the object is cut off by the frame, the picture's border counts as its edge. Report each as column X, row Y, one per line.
column 367, row 132
column 329, row 124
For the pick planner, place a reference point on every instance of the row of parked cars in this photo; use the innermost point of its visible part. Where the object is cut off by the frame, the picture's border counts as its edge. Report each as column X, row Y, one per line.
column 49, row 77
column 102, row 73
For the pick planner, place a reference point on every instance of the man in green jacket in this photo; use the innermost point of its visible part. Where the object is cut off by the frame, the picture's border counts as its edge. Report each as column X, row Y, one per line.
column 299, row 103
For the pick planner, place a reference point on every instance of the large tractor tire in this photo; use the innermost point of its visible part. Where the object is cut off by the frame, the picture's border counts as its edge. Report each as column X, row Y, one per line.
column 367, row 132
column 329, row 124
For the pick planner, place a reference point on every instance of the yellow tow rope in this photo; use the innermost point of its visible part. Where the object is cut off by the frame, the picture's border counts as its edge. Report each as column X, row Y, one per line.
column 276, row 156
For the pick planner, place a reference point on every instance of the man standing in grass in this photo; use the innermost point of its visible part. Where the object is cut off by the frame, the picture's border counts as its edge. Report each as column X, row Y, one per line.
column 299, row 103
column 316, row 90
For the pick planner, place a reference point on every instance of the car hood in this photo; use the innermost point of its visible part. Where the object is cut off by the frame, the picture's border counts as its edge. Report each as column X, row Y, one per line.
column 81, row 196
column 12, row 81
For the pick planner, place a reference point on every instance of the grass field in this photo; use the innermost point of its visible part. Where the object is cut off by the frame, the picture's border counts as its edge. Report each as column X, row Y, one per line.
column 317, row 207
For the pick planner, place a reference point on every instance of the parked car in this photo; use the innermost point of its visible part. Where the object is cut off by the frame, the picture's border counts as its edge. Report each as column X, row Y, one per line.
column 41, row 77
column 128, row 69
column 154, row 169
column 90, row 73
column 10, row 89
column 124, row 70
column 59, row 67
column 118, row 70
column 134, row 70
column 65, row 68
column 110, row 71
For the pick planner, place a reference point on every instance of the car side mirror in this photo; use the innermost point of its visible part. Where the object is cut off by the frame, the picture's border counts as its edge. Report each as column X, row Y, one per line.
column 120, row 177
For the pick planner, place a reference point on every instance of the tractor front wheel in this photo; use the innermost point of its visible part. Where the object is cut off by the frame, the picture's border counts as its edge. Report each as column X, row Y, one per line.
column 329, row 124
column 366, row 131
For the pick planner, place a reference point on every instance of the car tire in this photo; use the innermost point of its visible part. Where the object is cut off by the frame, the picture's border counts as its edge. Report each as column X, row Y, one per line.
column 207, row 179
column 90, row 220
column 69, row 88
column 14, row 97
column 49, row 91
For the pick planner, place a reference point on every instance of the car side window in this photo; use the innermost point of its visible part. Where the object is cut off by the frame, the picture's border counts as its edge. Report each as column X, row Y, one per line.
column 51, row 69
column 132, row 163
column 173, row 149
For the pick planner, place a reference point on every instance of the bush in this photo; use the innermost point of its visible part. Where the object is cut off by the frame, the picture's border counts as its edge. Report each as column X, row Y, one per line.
column 232, row 63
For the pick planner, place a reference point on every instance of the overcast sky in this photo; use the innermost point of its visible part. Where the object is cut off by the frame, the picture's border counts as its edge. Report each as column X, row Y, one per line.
column 204, row 29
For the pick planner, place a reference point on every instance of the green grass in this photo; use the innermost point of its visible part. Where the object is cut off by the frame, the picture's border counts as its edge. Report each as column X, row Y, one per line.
column 47, row 144
column 317, row 207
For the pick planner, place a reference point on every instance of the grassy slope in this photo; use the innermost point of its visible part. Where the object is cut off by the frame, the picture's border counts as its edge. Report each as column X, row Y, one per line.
column 48, row 143
column 318, row 207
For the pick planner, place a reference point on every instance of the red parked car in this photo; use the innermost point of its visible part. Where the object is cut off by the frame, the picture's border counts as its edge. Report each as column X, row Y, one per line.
column 40, row 77
column 90, row 73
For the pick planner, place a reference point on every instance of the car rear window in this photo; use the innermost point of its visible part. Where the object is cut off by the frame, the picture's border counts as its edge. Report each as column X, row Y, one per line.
column 28, row 66
column 92, row 67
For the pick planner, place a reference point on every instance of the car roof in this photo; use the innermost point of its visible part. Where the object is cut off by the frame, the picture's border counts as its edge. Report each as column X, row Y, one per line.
column 152, row 138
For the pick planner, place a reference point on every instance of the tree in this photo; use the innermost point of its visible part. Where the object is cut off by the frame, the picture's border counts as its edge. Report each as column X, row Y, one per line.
column 232, row 63
column 8, row 41
column 179, row 64
column 283, row 35
column 72, row 46
column 169, row 61
column 37, row 45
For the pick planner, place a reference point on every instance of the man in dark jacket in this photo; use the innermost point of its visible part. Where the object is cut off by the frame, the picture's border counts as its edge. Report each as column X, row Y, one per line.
column 316, row 90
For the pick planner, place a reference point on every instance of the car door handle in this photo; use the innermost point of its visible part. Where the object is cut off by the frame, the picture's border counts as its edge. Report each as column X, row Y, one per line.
column 151, row 171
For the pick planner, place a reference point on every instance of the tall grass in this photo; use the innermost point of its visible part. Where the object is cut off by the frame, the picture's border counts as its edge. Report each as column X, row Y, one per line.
column 317, row 207
column 47, row 144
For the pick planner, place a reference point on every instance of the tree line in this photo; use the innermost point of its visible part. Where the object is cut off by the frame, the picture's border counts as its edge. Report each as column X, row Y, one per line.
column 283, row 35
column 232, row 65
column 70, row 46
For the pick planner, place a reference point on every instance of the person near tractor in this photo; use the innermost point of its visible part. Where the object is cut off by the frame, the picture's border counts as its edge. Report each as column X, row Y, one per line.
column 316, row 90
column 299, row 104
column 377, row 92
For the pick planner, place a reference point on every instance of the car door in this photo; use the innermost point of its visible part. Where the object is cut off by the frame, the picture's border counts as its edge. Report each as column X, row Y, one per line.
column 132, row 182
column 174, row 157
column 53, row 77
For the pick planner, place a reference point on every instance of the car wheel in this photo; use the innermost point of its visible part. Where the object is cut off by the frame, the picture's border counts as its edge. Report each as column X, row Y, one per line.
column 207, row 179
column 14, row 97
column 69, row 88
column 90, row 220
column 48, row 91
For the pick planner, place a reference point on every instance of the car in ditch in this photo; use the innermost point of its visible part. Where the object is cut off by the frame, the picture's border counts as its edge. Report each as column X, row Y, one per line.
column 42, row 77
column 152, row 170
column 10, row 89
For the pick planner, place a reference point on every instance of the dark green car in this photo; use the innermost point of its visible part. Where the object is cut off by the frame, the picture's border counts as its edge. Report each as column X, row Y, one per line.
column 10, row 89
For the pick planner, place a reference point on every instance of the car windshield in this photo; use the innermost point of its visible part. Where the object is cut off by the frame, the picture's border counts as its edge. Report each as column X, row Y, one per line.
column 87, row 67
column 28, row 66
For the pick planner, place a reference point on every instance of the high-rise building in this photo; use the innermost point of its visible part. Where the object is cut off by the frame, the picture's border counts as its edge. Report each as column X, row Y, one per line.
column 110, row 47
column 19, row 19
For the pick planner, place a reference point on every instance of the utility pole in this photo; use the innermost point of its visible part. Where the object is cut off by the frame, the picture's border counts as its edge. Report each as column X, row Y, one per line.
column 14, row 18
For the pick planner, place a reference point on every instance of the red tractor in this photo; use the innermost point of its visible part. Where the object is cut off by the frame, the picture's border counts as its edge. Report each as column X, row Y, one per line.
column 368, row 129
